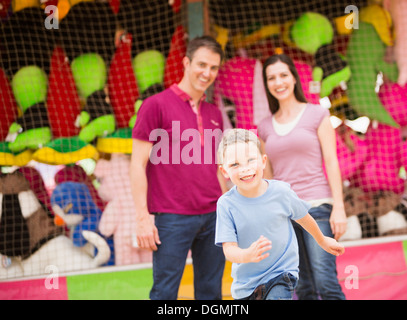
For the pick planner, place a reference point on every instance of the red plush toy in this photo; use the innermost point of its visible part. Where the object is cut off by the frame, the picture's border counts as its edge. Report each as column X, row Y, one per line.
column 174, row 71
column 8, row 106
column 63, row 103
column 122, row 85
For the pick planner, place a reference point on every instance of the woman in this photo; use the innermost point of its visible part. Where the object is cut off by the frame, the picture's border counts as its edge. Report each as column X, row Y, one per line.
column 299, row 140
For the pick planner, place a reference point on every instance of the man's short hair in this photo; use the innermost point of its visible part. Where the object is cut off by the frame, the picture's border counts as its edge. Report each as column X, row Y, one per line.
column 206, row 42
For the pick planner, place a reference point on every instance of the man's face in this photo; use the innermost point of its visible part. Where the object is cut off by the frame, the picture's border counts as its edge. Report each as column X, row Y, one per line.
column 202, row 70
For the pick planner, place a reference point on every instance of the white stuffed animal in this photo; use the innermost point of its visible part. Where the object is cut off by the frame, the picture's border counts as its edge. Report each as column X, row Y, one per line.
column 29, row 241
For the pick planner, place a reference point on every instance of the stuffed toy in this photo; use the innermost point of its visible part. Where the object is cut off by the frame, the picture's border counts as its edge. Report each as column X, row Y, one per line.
column 94, row 23
column 75, row 173
column 10, row 158
column 174, row 71
column 65, row 151
column 313, row 33
column 63, row 102
column 151, row 22
column 25, row 224
column 65, row 5
column 305, row 73
column 37, row 185
column 63, row 107
column 32, row 129
column 118, row 218
column 74, row 207
column 352, row 151
column 398, row 11
column 355, row 204
column 394, row 99
column 380, row 213
column 391, row 223
column 29, row 240
column 148, row 66
column 380, row 170
column 90, row 60
column 365, row 55
column 5, row 9
column 18, row 5
column 97, row 117
column 8, row 105
column 9, row 112
column 121, row 79
column 240, row 81
column 26, row 23
column 122, row 85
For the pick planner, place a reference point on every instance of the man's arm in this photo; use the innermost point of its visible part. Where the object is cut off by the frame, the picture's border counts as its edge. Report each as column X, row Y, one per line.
column 146, row 231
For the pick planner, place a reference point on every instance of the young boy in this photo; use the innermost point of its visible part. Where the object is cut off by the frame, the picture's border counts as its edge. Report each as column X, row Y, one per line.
column 253, row 223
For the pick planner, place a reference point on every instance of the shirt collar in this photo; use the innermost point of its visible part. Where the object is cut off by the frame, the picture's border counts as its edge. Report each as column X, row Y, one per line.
column 183, row 95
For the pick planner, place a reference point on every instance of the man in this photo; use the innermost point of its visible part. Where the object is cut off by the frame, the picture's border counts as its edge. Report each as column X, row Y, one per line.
column 179, row 189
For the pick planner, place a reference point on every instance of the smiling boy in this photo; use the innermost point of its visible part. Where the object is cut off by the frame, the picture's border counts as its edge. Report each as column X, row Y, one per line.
column 253, row 223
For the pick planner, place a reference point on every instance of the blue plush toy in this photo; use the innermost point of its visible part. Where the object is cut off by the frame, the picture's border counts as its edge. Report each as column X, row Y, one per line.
column 74, row 205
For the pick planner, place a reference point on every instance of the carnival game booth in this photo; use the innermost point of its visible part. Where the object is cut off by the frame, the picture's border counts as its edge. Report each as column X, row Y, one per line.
column 74, row 73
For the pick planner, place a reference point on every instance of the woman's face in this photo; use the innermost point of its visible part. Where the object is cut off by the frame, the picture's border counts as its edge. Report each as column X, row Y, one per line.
column 280, row 81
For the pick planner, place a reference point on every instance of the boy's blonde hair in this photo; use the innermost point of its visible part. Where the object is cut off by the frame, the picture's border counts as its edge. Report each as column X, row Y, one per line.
column 234, row 136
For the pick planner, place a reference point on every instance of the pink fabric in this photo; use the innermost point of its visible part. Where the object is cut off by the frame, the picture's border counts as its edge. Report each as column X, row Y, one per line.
column 235, row 82
column 383, row 163
column 296, row 158
column 352, row 151
column 394, row 99
column 373, row 272
column 35, row 289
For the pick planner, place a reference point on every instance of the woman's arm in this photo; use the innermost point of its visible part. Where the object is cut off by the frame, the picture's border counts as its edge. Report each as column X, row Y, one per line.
column 327, row 139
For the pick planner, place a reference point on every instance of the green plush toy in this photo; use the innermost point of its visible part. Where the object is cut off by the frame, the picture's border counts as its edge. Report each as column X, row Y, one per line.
column 365, row 55
column 32, row 130
column 97, row 117
column 148, row 66
column 313, row 33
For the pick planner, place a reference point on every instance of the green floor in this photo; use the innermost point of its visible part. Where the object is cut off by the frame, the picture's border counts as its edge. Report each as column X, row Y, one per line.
column 122, row 285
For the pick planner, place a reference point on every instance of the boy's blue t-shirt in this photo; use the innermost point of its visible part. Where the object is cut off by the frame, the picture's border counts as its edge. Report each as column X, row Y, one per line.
column 244, row 220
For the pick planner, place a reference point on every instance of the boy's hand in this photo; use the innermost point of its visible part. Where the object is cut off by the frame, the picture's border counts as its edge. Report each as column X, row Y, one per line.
column 331, row 246
column 256, row 251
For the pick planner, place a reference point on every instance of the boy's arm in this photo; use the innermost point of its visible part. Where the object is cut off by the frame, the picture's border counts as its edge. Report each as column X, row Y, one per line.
column 255, row 253
column 330, row 245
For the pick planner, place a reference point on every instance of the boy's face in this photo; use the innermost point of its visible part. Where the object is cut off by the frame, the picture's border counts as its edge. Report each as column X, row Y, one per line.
column 243, row 164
